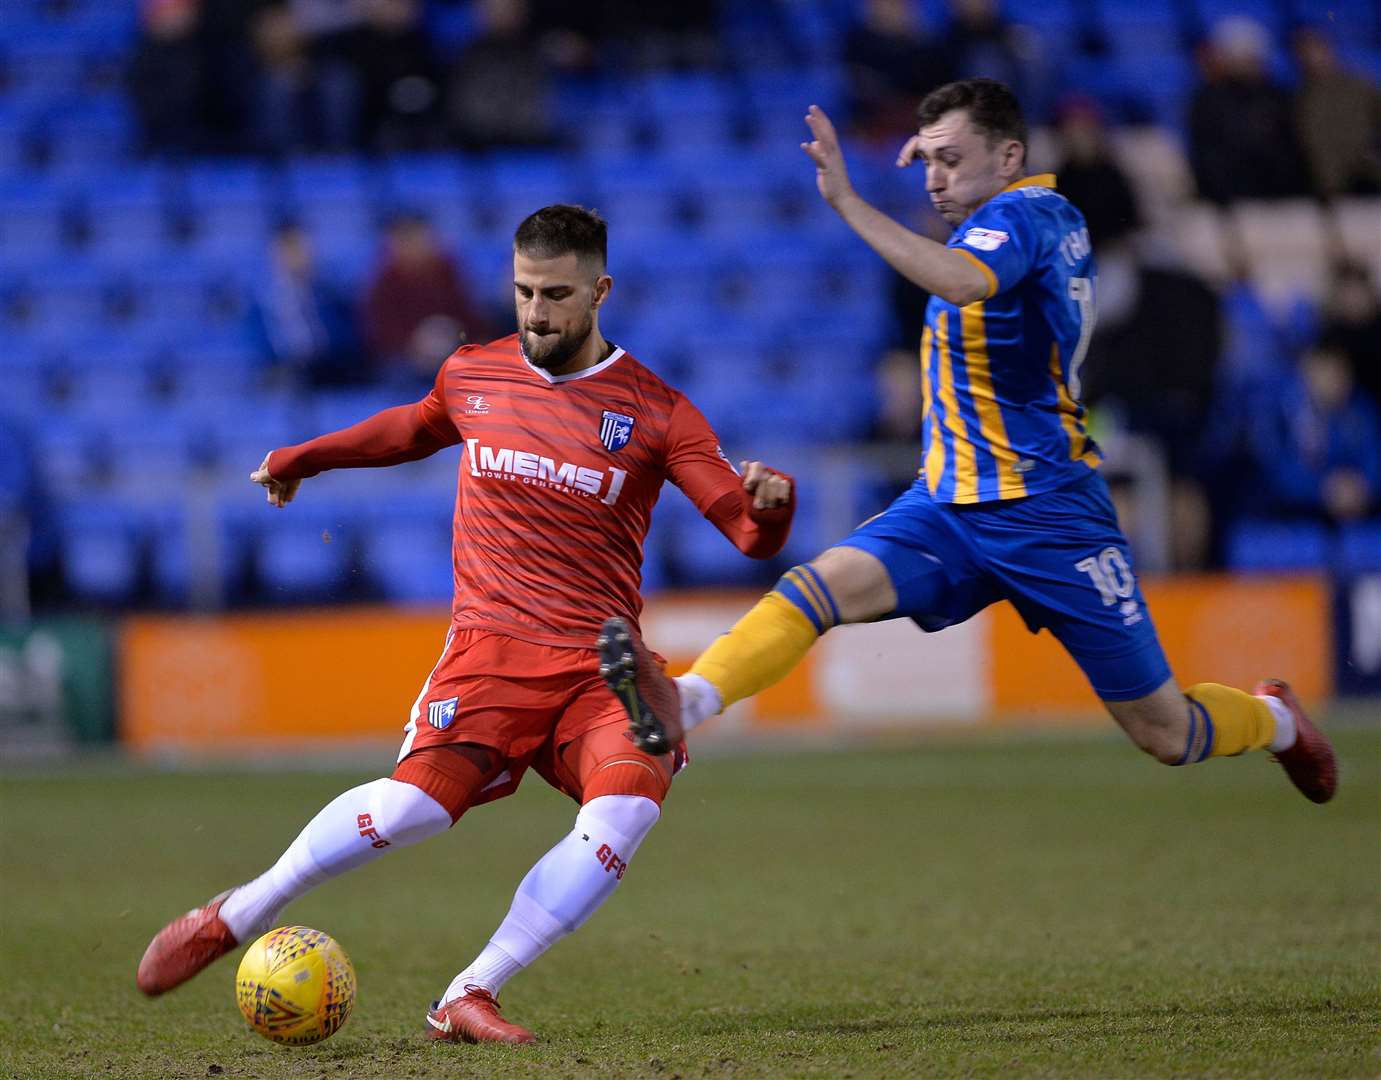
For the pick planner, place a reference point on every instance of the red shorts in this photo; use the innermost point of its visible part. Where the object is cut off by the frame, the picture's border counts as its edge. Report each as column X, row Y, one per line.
column 534, row 706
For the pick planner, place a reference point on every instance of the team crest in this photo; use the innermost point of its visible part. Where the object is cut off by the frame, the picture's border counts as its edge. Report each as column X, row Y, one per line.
column 441, row 713
column 615, row 430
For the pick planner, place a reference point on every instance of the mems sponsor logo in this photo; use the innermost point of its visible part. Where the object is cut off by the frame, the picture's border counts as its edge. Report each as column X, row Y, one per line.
column 534, row 470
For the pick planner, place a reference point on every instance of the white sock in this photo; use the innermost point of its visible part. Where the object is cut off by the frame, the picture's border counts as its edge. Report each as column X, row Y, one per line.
column 699, row 700
column 353, row 829
column 1285, row 723
column 565, row 887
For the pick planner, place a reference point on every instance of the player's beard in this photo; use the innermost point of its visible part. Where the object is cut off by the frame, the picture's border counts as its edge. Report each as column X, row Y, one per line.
column 553, row 351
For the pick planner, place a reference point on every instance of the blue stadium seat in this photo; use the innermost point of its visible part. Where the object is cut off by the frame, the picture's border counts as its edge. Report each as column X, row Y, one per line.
column 1277, row 547
column 305, row 554
column 226, row 206
column 86, row 139
column 126, row 216
column 1359, row 548
column 100, row 545
column 67, row 302
column 408, row 556
column 32, row 217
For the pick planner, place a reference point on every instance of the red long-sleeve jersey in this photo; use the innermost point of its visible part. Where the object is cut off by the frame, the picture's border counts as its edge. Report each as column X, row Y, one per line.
column 556, row 485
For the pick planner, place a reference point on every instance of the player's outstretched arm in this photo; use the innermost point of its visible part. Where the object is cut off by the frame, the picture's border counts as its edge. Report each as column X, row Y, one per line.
column 934, row 267
column 391, row 437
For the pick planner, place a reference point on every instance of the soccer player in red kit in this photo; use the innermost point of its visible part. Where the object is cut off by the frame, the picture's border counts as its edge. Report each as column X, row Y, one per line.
column 567, row 442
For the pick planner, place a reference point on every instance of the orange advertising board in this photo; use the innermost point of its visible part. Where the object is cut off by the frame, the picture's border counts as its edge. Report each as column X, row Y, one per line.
column 244, row 681
column 350, row 675
column 1213, row 629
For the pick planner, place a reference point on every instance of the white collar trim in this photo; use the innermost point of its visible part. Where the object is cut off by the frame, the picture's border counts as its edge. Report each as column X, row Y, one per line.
column 581, row 374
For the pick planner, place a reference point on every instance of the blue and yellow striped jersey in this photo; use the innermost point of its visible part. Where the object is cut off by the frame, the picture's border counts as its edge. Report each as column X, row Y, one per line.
column 1001, row 376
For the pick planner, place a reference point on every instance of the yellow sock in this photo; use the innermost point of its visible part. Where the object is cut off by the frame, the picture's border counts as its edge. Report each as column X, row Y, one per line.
column 760, row 649
column 1233, row 721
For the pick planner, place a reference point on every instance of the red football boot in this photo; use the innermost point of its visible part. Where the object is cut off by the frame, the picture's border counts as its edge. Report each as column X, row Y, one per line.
column 184, row 947
column 473, row 1018
column 1309, row 764
column 647, row 693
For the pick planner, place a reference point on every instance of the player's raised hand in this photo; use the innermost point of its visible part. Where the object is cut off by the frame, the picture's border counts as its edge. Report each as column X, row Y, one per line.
column 831, row 174
column 910, row 151
column 280, row 492
column 770, row 489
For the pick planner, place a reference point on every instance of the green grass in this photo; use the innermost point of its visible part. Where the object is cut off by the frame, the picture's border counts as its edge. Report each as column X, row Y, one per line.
column 982, row 907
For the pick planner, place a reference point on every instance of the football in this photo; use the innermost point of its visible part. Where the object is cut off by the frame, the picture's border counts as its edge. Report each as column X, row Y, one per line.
column 295, row 986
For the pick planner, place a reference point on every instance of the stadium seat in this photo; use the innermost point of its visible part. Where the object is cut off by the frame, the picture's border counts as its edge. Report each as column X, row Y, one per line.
column 125, row 217
column 66, row 302
column 1196, row 234
column 226, row 210
column 33, row 216
column 1154, row 162
column 84, row 140
column 1358, row 223
column 1286, row 248
column 100, row 545
column 408, row 559
column 1256, row 547
column 305, row 555
column 1359, row 548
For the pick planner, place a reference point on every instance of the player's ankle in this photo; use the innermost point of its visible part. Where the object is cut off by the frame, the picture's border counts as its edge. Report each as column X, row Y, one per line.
column 1284, row 736
column 700, row 700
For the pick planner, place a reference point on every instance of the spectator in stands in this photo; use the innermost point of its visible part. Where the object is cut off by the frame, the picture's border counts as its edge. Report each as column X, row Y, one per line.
column 1089, row 176
column 1338, row 115
column 1352, row 318
column 286, row 105
column 1241, row 125
column 499, row 91
column 167, row 78
column 400, row 84
column 898, row 379
column 331, row 37
column 1150, row 371
column 417, row 310
column 1316, row 451
column 982, row 43
column 303, row 326
column 891, row 64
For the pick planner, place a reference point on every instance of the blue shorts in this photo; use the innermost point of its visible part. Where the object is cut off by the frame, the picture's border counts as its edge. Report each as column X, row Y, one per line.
column 1059, row 557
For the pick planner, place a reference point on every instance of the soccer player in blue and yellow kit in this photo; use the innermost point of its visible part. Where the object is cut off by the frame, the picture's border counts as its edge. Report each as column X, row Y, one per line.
column 1009, row 504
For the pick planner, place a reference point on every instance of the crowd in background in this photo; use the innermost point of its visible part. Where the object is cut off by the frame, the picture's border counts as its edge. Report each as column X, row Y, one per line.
column 1258, row 413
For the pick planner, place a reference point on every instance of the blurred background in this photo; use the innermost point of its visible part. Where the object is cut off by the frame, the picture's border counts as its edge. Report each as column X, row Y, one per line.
column 230, row 225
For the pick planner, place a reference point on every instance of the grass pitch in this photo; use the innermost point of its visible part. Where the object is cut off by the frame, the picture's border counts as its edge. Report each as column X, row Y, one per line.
column 986, row 907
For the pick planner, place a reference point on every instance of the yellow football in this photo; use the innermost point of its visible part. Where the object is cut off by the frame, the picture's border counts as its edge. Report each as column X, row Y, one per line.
column 295, row 986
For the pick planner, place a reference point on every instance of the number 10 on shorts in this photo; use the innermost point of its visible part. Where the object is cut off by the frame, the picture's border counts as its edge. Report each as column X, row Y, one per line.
column 1111, row 575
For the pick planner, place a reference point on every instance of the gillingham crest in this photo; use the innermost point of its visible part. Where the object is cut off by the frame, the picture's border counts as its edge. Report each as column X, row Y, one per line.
column 615, row 429
column 441, row 713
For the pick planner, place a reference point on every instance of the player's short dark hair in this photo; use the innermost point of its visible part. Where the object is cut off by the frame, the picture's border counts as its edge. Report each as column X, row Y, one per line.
column 557, row 230
column 992, row 107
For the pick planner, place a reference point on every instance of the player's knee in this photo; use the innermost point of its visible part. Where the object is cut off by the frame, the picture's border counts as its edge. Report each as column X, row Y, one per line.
column 400, row 814
column 855, row 583
column 625, row 818
column 1163, row 741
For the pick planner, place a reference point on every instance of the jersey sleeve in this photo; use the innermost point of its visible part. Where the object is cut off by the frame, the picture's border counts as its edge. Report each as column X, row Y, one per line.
column 391, row 437
column 1001, row 239
column 432, row 411
column 697, row 465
